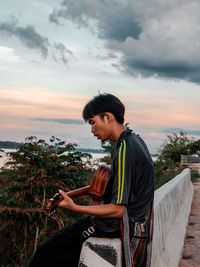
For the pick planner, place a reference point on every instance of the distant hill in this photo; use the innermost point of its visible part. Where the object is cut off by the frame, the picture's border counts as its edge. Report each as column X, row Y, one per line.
column 90, row 150
column 15, row 145
column 9, row 144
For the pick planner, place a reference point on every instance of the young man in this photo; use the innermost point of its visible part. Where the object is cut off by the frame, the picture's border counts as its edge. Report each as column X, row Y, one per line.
column 129, row 194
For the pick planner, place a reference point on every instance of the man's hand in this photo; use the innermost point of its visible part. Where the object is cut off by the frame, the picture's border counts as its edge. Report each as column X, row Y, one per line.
column 67, row 202
column 105, row 210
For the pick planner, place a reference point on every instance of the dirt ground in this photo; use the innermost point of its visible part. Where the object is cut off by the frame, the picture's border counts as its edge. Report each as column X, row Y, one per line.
column 191, row 250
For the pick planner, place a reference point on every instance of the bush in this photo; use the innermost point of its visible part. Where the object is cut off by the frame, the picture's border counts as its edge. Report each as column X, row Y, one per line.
column 165, row 170
column 32, row 175
column 194, row 175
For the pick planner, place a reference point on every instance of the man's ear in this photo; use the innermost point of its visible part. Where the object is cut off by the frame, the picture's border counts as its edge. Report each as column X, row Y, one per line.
column 109, row 116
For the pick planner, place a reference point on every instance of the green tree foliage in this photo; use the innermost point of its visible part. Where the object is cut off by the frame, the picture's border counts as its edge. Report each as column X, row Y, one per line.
column 167, row 165
column 32, row 175
column 165, row 170
column 176, row 145
column 107, row 147
column 55, row 159
column 194, row 147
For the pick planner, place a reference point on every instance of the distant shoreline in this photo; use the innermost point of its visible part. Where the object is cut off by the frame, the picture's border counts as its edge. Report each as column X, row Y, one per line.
column 9, row 145
column 16, row 145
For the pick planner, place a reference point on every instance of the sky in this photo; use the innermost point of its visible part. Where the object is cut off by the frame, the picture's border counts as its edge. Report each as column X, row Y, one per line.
column 56, row 55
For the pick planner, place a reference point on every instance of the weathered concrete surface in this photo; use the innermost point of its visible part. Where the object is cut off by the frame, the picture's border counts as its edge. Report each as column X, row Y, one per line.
column 191, row 250
column 171, row 210
column 101, row 252
column 172, row 206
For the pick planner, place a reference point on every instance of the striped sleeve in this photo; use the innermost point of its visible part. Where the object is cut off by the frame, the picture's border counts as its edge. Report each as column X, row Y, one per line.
column 121, row 171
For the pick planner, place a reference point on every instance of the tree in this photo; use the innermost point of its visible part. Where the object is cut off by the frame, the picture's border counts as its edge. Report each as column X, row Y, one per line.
column 194, row 147
column 176, row 145
column 168, row 163
column 32, row 175
column 107, row 147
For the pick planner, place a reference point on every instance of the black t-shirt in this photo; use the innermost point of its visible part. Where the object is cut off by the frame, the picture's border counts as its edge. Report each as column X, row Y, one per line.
column 131, row 182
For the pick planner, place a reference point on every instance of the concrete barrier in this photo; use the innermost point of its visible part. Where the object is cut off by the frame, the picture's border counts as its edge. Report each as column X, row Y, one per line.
column 172, row 206
column 101, row 252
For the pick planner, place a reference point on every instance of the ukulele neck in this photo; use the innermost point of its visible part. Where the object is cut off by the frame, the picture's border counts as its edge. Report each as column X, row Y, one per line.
column 80, row 191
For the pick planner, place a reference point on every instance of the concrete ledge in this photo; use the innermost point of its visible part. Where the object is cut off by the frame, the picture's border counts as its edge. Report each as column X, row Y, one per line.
column 101, row 252
column 172, row 205
column 171, row 211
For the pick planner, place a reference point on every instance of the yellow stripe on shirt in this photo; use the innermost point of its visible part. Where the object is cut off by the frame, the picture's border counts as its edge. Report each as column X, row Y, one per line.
column 121, row 171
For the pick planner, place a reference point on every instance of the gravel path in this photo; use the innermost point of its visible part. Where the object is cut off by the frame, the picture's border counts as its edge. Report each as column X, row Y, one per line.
column 191, row 250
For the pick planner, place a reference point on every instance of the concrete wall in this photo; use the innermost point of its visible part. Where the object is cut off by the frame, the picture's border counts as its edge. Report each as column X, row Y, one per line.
column 101, row 252
column 171, row 210
column 172, row 206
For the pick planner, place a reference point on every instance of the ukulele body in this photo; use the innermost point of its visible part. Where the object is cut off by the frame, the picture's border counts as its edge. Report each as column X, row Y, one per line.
column 96, row 190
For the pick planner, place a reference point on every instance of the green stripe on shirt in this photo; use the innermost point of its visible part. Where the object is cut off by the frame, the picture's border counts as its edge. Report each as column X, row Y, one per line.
column 121, row 171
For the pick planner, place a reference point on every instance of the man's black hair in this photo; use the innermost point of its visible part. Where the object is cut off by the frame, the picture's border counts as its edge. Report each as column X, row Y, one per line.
column 104, row 103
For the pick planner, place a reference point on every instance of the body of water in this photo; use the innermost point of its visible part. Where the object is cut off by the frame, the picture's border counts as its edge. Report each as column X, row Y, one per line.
column 4, row 157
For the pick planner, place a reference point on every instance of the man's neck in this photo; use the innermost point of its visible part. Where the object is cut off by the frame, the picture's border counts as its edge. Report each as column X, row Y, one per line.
column 117, row 130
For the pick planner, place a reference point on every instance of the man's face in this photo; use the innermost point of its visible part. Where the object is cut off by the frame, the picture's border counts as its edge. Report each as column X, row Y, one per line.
column 100, row 127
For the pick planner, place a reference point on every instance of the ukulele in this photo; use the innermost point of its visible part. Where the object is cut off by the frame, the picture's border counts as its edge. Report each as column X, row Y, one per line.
column 96, row 189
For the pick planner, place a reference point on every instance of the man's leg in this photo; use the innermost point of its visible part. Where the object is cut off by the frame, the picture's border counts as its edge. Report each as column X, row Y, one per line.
column 65, row 247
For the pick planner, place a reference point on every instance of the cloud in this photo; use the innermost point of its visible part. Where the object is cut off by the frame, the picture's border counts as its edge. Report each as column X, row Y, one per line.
column 28, row 35
column 61, row 54
column 58, row 120
column 7, row 54
column 109, row 16
column 33, row 40
column 160, row 38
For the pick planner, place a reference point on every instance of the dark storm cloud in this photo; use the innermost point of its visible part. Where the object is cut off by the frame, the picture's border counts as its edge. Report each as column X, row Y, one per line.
column 33, row 40
column 27, row 35
column 173, row 69
column 63, row 121
column 116, row 20
column 160, row 38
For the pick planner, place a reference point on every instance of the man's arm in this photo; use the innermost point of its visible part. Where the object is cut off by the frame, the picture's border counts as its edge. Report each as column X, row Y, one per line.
column 105, row 210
